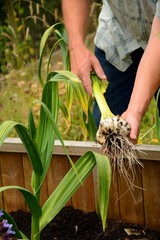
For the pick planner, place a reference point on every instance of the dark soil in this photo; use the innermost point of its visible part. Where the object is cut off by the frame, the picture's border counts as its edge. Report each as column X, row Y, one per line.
column 73, row 224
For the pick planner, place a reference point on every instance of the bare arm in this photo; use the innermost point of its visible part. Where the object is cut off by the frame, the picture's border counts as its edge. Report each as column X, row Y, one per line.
column 146, row 83
column 76, row 15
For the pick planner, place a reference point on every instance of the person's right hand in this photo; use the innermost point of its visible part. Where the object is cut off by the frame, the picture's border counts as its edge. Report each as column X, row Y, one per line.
column 83, row 62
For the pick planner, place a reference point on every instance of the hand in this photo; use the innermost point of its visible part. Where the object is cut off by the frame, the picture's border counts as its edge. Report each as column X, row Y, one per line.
column 134, row 121
column 83, row 62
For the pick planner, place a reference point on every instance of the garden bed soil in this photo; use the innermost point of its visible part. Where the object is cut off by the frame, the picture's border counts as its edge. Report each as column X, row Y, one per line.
column 74, row 224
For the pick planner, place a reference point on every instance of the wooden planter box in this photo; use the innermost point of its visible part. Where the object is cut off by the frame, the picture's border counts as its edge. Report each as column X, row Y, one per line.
column 141, row 206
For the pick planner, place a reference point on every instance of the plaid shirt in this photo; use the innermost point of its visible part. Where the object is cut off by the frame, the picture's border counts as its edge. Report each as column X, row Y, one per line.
column 124, row 26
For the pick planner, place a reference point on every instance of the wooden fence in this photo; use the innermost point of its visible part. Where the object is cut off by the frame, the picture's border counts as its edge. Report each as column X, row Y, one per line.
column 141, row 206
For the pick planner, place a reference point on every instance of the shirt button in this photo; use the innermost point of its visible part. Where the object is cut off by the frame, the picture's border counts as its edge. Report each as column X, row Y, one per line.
column 139, row 38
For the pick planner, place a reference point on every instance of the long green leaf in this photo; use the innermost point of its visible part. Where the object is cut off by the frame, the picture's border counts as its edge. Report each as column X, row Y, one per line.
column 14, row 225
column 90, row 125
column 50, row 55
column 56, row 130
column 31, row 126
column 62, row 36
column 45, row 133
column 77, row 87
column 66, row 113
column 61, row 32
column 71, row 183
column 41, row 51
column 7, row 126
column 30, row 199
column 104, row 176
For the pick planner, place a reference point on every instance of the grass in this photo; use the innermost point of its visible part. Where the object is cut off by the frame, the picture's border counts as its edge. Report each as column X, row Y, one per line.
column 20, row 88
column 148, row 134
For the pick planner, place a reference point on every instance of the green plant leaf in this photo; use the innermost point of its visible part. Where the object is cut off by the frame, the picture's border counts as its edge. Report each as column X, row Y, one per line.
column 66, row 113
column 90, row 125
column 84, row 100
column 31, row 126
column 41, row 51
column 5, row 129
column 71, row 183
column 61, row 34
column 46, row 133
column 56, row 130
column 14, row 225
column 30, row 199
column 77, row 87
column 104, row 176
column 50, row 55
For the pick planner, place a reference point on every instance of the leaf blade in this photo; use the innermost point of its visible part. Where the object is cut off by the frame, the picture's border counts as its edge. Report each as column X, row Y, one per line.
column 70, row 184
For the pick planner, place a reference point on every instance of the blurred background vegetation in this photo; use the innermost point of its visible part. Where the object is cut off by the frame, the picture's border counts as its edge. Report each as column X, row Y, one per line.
column 22, row 23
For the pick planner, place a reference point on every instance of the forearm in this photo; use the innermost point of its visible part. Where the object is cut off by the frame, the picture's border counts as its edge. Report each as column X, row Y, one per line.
column 76, row 15
column 83, row 61
column 148, row 74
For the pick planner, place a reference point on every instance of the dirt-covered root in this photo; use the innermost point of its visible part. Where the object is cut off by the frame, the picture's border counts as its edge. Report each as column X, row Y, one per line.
column 115, row 143
column 122, row 155
column 108, row 126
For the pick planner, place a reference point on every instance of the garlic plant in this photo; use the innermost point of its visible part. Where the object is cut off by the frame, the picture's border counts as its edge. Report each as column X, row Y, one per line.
column 113, row 135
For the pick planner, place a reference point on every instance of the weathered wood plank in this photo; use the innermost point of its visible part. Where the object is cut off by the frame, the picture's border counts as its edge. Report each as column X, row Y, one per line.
column 27, row 178
column 78, row 148
column 114, row 208
column 151, row 181
column 84, row 197
column 142, row 206
column 12, row 174
column 27, row 171
column 57, row 171
column 113, row 211
column 131, row 200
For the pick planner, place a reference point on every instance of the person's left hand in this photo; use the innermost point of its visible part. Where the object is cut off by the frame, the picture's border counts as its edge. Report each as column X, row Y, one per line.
column 134, row 122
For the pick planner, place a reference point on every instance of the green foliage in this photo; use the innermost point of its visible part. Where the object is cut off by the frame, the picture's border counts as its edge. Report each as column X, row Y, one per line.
column 148, row 133
column 19, row 87
column 22, row 24
column 38, row 139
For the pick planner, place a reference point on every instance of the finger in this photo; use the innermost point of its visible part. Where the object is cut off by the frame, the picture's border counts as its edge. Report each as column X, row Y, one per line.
column 87, row 84
column 134, row 135
column 98, row 69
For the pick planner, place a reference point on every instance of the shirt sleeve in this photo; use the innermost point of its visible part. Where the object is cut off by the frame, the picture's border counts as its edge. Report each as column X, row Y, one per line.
column 158, row 9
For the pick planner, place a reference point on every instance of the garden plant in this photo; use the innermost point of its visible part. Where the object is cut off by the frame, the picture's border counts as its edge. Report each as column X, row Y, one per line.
column 39, row 138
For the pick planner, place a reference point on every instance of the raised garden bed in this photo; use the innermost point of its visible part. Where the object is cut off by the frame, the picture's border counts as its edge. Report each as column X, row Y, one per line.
column 141, row 206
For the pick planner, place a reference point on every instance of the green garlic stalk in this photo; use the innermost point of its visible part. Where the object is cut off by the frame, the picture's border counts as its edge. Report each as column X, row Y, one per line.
column 113, row 133
column 99, row 88
column 109, row 123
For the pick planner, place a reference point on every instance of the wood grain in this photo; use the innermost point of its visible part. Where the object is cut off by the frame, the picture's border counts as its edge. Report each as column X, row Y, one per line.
column 151, row 181
column 12, row 174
